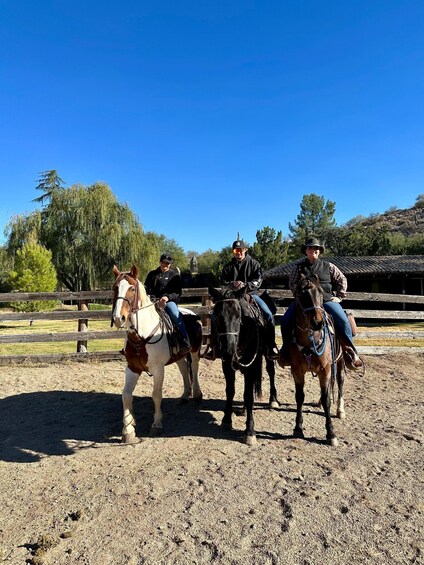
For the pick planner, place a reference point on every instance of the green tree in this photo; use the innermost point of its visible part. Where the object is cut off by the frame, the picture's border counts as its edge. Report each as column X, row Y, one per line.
column 358, row 240
column 49, row 182
column 33, row 272
column 419, row 201
column 6, row 265
column 88, row 231
column 316, row 218
column 269, row 248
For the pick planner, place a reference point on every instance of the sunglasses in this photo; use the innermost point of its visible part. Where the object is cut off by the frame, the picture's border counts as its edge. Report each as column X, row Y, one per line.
column 238, row 250
column 313, row 247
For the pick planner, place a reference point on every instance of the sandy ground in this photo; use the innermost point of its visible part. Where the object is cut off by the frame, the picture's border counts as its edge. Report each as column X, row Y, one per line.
column 71, row 493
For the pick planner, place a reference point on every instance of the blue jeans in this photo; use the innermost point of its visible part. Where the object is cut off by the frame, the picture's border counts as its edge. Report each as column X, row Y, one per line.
column 173, row 312
column 264, row 307
column 341, row 322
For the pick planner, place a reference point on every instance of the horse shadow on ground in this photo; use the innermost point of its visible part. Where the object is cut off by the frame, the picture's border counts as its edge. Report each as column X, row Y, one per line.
column 56, row 423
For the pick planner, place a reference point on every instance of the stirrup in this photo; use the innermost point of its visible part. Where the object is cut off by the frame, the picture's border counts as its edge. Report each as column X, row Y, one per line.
column 272, row 353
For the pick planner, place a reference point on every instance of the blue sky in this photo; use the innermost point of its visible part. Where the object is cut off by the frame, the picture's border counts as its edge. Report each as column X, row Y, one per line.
column 215, row 117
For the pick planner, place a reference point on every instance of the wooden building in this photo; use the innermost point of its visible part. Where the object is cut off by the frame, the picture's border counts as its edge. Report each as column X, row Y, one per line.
column 392, row 274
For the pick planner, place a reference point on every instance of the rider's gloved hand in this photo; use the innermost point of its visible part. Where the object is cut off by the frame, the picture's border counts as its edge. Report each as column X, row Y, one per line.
column 238, row 284
column 336, row 299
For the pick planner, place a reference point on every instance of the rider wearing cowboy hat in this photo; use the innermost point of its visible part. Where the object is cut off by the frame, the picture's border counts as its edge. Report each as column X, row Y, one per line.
column 334, row 285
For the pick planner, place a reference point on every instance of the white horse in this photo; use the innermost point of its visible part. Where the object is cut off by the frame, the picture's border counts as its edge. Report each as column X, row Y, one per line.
column 150, row 345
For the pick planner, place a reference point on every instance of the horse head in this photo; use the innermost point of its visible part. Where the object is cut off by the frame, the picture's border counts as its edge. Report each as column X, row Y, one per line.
column 227, row 315
column 310, row 297
column 126, row 296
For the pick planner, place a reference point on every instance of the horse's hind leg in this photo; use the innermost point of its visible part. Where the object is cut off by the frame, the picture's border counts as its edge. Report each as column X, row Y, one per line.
column 270, row 369
column 340, row 382
column 158, row 376
column 128, row 429
column 249, row 432
column 190, row 374
column 299, row 381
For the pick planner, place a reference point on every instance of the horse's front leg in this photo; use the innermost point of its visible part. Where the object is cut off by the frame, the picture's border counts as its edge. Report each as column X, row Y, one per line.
column 249, row 432
column 325, row 382
column 128, row 429
column 270, row 369
column 230, row 389
column 158, row 376
column 299, row 381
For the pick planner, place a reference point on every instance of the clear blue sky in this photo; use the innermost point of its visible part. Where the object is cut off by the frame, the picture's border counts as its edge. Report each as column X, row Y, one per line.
column 215, row 117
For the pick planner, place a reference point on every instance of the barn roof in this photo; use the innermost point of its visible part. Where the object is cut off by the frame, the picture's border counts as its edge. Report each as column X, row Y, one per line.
column 367, row 265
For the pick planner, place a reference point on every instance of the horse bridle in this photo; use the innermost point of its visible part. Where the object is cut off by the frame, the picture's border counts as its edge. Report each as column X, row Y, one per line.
column 237, row 357
column 134, row 310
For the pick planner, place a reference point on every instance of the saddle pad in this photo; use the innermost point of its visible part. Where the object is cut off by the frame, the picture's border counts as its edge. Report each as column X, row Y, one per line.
column 186, row 311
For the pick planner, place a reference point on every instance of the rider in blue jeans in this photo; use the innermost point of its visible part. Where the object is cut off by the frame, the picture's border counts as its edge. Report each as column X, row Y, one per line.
column 245, row 272
column 334, row 285
column 164, row 285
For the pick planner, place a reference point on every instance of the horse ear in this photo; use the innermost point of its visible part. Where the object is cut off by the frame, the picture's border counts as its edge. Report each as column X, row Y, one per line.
column 116, row 271
column 214, row 293
column 134, row 272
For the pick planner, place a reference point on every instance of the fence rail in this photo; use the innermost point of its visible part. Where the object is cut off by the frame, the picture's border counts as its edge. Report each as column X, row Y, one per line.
column 203, row 309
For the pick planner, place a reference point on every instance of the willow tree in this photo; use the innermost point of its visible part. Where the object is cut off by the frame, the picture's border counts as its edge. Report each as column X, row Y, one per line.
column 88, row 231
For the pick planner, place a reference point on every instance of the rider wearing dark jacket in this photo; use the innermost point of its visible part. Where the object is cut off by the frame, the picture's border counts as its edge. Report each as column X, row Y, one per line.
column 164, row 284
column 244, row 271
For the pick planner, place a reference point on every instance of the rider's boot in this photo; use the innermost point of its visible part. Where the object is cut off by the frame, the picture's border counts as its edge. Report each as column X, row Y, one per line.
column 209, row 353
column 183, row 339
column 352, row 359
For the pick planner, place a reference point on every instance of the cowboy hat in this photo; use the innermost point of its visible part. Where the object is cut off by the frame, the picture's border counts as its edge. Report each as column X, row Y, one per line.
column 313, row 242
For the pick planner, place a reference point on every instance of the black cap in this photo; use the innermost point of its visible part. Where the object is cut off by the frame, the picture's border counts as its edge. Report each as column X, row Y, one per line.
column 165, row 258
column 239, row 243
column 313, row 242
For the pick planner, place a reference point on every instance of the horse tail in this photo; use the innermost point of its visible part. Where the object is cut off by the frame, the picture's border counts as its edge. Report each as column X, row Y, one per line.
column 257, row 382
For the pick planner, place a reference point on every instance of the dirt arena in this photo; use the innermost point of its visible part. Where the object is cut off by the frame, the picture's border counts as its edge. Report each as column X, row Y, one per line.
column 71, row 493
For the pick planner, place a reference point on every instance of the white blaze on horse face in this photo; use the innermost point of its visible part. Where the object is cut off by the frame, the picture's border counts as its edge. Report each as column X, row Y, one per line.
column 119, row 317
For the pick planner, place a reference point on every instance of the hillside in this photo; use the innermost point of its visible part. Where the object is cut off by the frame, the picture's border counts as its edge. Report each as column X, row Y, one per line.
column 409, row 221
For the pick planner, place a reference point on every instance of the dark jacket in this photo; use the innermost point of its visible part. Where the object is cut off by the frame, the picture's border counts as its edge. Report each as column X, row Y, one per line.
column 160, row 284
column 248, row 271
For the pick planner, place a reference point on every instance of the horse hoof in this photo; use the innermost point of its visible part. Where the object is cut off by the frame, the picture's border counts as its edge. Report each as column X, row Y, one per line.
column 341, row 415
column 129, row 438
column 334, row 442
column 298, row 433
column 198, row 399
column 155, row 432
column 226, row 425
column 274, row 404
column 250, row 440
column 183, row 400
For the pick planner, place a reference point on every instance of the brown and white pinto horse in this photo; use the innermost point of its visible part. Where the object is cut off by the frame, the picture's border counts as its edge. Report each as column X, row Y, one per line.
column 148, row 348
column 315, row 349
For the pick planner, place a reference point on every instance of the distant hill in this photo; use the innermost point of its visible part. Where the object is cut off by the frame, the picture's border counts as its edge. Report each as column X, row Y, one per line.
column 407, row 222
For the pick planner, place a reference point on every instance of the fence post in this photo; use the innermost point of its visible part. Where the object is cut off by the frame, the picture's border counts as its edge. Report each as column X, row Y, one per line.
column 82, row 346
column 206, row 319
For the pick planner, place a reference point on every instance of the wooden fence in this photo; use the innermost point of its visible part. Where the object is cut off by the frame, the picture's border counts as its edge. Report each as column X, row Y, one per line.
column 199, row 303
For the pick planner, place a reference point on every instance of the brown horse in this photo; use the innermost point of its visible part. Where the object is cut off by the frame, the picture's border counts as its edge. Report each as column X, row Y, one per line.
column 315, row 349
column 150, row 345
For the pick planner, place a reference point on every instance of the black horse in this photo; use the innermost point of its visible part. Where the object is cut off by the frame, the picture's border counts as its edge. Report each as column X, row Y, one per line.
column 239, row 334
